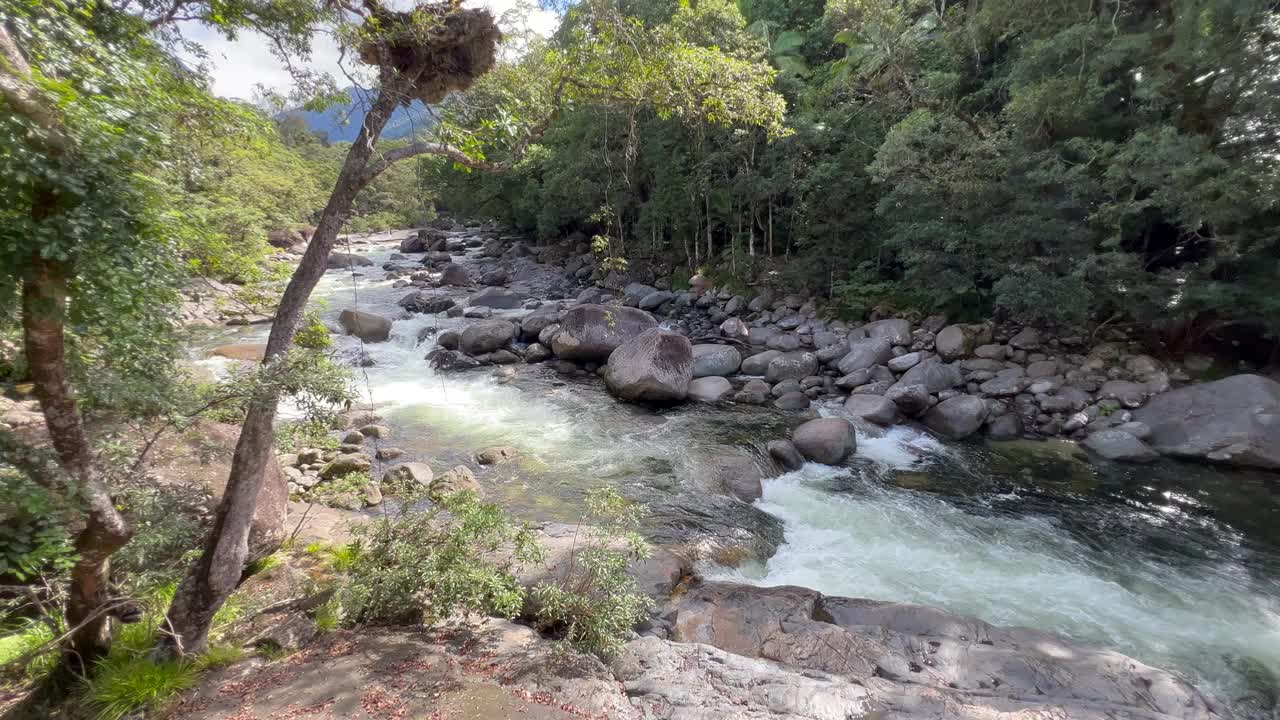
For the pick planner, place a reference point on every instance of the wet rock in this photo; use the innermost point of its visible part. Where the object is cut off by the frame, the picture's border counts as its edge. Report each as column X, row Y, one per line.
column 794, row 400
column 459, row 479
column 487, row 336
column 454, row 274
column 451, row 360
column 791, row 366
column 1005, row 427
column 497, row 455
column 477, row 313
column 534, row 323
column 388, row 453
column 715, row 360
column 655, row 367
column 754, row 392
column 1120, row 445
column 825, row 440
column 872, row 408
column 449, row 339
column 865, row 354
column 957, row 418
column 1234, row 421
column 494, row 278
column 590, row 333
column 536, row 353
column 712, row 388
column 346, row 261
column 366, row 326
column 912, row 400
column 426, row 302
column 345, row 464
column 786, row 454
column 498, row 299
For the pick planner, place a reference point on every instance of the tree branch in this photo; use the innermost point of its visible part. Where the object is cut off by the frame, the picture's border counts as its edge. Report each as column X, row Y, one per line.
column 24, row 95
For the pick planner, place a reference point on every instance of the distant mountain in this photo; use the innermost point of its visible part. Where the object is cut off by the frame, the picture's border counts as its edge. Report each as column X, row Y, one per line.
column 341, row 123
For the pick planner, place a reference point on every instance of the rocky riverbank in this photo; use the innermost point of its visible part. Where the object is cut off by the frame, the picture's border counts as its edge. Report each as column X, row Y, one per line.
column 518, row 307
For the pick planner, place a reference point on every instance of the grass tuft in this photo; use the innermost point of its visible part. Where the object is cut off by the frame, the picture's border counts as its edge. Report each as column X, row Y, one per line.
column 121, row 688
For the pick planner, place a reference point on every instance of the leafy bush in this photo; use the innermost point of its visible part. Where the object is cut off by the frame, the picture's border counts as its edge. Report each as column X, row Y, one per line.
column 346, row 491
column 33, row 537
column 423, row 566
column 312, row 334
column 295, row 435
column 169, row 524
column 596, row 604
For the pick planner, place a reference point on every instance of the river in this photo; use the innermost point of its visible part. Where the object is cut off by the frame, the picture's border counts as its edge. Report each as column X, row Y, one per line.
column 1175, row 564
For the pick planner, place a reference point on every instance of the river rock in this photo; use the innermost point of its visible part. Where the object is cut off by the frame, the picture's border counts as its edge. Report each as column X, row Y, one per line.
column 655, row 300
column 346, row 261
column 590, row 333
column 655, row 367
column 1027, row 339
column 410, row 473
column 912, row 400
column 426, row 302
column 791, row 366
column 459, row 479
column 1005, row 427
column 826, row 440
column 905, row 362
column 497, row 298
column 345, row 464
column 1234, row 421
column 735, row 328
column 454, row 274
column 711, row 359
column 486, row 336
column 872, row 408
column 954, row 342
column 451, row 360
column 933, row 374
column 494, row 277
column 712, row 388
column 897, row 331
column 759, row 364
column 786, row 454
column 958, row 417
column 240, row 351
column 497, row 455
column 537, row 321
column 864, row 354
column 366, row 326
column 634, row 292
column 794, row 400
column 1120, row 445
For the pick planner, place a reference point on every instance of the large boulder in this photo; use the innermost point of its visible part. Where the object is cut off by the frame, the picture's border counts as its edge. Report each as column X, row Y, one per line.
column 366, row 326
column 713, row 359
column 957, row 417
column 1235, row 421
column 759, row 364
column 285, row 239
column 934, row 375
column 653, row 367
column 825, row 440
column 897, row 331
column 865, row 353
column 954, row 342
column 1120, row 445
column 539, row 320
column 454, row 274
column 497, row 298
column 346, row 261
column 791, row 366
column 249, row 352
column 872, row 408
column 590, row 333
column 486, row 336
column 426, row 302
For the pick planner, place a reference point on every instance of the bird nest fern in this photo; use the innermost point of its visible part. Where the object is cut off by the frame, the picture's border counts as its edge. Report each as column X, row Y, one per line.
column 444, row 46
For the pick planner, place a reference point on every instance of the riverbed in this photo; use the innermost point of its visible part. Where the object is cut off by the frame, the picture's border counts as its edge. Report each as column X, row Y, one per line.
column 1175, row 564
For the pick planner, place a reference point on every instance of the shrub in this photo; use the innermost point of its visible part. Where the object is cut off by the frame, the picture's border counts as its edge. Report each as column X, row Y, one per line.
column 596, row 604
column 295, row 435
column 121, row 688
column 312, row 334
column 169, row 523
column 17, row 645
column 423, row 566
column 33, row 537
column 344, row 491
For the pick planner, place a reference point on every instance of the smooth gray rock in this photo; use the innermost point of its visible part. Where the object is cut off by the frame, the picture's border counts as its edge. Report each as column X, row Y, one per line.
column 711, row 359
column 825, row 440
column 711, row 388
column 366, row 326
column 454, row 274
column 933, row 374
column 791, row 366
column 958, row 417
column 1130, row 394
column 905, row 362
column 346, row 261
column 426, row 302
column 794, row 400
column 655, row 299
column 1026, row 339
column 498, row 298
column 759, row 364
column 954, row 342
column 912, row 400
column 786, row 454
column 896, row 330
column 655, row 367
column 864, row 354
column 736, row 329
column 486, row 336
column 872, row 408
column 1235, row 421
column 590, row 333
column 1120, row 445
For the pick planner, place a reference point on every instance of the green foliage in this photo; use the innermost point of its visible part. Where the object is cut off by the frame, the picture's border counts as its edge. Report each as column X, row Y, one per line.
column 33, row 535
column 295, row 435
column 20, row 651
column 423, row 566
column 168, row 522
column 595, row 605
column 343, row 491
column 312, row 333
column 119, row 689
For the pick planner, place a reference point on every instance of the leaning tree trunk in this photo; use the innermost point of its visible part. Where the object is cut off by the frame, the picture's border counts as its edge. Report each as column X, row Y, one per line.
column 44, row 302
column 214, row 576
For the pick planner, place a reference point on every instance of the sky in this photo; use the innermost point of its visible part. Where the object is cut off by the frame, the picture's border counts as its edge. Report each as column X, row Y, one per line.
column 238, row 66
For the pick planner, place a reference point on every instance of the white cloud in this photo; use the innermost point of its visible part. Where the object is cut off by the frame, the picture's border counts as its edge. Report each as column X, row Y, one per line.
column 238, row 67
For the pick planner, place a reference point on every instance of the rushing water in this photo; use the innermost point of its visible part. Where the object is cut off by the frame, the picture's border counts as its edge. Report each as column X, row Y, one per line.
column 1175, row 564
